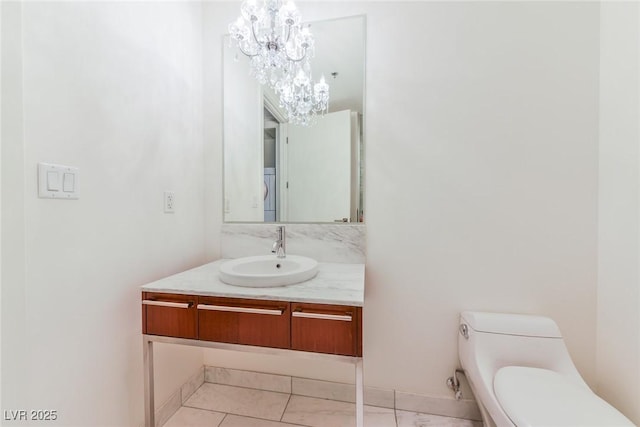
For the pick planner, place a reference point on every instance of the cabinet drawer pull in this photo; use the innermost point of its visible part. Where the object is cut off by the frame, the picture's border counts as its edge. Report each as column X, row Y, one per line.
column 308, row 315
column 167, row 303
column 273, row 312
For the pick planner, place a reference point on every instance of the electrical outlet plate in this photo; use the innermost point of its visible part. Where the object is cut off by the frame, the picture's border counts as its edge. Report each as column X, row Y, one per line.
column 169, row 202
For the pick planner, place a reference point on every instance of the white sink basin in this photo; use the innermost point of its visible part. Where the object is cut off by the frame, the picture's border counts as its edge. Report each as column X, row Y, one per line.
column 268, row 271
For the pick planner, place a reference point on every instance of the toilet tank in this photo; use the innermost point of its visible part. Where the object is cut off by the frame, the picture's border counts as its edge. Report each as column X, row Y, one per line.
column 496, row 340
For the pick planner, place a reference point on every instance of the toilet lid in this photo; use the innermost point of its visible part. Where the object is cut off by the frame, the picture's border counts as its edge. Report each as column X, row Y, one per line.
column 540, row 397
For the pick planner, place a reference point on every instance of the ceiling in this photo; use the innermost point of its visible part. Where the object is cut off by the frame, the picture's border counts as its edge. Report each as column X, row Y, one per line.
column 340, row 47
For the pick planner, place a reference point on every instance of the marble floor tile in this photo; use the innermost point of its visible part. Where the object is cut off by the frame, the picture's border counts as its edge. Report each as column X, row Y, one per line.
column 238, row 421
column 315, row 412
column 191, row 417
column 219, row 405
column 415, row 419
column 239, row 401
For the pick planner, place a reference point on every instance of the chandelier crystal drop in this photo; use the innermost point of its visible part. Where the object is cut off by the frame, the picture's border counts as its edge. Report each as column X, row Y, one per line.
column 280, row 51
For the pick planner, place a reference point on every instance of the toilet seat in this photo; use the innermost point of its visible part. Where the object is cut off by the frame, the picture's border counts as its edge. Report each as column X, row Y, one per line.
column 540, row 397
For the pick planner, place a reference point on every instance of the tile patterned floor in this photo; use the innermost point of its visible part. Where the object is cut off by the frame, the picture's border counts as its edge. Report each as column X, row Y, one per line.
column 216, row 405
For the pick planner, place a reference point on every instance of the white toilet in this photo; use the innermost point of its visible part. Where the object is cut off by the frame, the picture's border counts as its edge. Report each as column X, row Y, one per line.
column 521, row 374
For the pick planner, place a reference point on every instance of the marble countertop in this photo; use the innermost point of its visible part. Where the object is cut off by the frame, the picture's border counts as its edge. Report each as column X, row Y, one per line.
column 335, row 283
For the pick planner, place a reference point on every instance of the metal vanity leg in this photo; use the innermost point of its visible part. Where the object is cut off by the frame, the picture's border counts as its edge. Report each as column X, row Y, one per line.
column 149, row 406
column 359, row 394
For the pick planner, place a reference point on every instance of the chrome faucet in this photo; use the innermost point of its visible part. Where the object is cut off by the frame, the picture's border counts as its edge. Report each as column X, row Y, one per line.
column 280, row 245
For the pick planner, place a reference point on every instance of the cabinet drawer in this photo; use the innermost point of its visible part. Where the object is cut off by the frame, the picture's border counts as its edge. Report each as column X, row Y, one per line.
column 332, row 329
column 241, row 321
column 170, row 315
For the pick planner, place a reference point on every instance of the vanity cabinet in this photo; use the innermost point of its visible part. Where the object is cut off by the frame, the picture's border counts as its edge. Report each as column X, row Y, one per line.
column 318, row 328
column 317, row 319
column 244, row 321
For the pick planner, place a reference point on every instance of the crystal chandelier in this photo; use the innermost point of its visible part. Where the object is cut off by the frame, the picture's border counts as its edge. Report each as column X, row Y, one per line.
column 280, row 50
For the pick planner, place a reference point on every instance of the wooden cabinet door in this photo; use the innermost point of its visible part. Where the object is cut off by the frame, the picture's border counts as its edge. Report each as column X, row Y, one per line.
column 170, row 315
column 242, row 321
column 332, row 329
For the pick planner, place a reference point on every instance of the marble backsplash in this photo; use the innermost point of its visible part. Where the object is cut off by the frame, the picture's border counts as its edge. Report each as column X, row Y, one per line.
column 341, row 243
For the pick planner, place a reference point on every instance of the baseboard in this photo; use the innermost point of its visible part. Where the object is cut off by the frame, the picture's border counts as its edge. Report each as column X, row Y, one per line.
column 168, row 408
column 192, row 384
column 177, row 398
column 385, row 398
column 447, row 407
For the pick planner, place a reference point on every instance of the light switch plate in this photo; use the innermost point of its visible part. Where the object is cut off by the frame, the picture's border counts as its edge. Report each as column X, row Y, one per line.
column 57, row 181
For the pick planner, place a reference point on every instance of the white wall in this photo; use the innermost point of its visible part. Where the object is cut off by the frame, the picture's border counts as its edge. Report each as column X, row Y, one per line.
column 494, row 145
column 116, row 90
column 618, row 362
column 14, row 340
column 481, row 174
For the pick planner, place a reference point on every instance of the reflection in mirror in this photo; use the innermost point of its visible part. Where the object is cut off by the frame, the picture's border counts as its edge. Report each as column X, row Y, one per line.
column 275, row 171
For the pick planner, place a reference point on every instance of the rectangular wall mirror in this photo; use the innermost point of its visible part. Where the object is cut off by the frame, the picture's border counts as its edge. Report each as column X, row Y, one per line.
column 275, row 171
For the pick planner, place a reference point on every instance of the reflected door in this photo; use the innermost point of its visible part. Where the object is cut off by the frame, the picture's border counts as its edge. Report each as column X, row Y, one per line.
column 318, row 169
